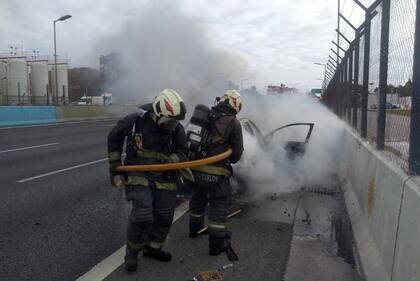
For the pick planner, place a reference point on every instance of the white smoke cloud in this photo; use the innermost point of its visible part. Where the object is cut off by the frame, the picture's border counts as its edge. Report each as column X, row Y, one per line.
column 272, row 171
column 163, row 48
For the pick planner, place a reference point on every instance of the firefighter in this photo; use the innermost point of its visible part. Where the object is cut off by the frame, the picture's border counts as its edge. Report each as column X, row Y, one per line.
column 212, row 181
column 154, row 136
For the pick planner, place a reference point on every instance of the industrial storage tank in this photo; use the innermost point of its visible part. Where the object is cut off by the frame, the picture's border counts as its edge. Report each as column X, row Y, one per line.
column 62, row 77
column 39, row 82
column 3, row 76
column 17, row 81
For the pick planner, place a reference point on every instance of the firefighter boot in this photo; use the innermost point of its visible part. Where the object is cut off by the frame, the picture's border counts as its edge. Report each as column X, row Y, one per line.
column 195, row 227
column 131, row 260
column 216, row 245
column 157, row 254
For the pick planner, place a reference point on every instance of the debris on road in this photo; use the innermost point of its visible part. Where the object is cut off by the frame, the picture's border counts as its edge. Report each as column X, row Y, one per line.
column 227, row 266
column 213, row 275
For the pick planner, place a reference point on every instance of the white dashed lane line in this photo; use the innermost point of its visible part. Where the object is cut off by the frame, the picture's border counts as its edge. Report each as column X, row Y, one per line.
column 62, row 170
column 28, row 147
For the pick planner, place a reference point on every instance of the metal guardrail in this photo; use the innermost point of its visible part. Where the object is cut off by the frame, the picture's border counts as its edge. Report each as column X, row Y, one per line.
column 375, row 86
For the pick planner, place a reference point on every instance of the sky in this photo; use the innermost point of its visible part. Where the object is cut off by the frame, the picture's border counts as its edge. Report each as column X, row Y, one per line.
column 278, row 40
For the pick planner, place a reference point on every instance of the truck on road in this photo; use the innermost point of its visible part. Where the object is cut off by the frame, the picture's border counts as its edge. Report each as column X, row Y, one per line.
column 104, row 99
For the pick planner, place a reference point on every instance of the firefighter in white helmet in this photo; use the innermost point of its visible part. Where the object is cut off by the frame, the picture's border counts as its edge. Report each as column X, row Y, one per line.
column 212, row 181
column 154, row 136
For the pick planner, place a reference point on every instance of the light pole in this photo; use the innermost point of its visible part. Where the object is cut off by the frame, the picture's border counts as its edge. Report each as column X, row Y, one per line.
column 55, row 56
column 325, row 73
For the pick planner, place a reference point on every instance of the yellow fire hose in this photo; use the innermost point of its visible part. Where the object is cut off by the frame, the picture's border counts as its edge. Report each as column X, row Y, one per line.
column 174, row 166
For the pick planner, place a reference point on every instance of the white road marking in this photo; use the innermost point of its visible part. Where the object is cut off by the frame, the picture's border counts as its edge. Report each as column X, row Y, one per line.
column 28, row 147
column 59, row 123
column 111, row 263
column 62, row 170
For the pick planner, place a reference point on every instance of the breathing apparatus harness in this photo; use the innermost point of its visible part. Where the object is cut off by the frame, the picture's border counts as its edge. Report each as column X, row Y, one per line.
column 204, row 138
column 200, row 128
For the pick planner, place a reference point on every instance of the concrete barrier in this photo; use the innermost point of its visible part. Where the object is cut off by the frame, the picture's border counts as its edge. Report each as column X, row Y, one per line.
column 67, row 113
column 381, row 212
column 407, row 251
column 26, row 115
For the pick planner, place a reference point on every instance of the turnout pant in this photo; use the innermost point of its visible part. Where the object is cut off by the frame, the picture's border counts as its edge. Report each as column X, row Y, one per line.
column 219, row 197
column 151, row 215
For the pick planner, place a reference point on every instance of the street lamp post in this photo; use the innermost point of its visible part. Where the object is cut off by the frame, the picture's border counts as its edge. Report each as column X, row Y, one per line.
column 55, row 56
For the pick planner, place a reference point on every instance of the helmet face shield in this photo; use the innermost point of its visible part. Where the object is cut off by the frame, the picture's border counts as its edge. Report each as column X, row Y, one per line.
column 169, row 103
column 167, row 123
column 181, row 115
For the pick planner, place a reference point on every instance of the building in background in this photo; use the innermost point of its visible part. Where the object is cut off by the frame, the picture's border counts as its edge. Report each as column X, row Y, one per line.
column 62, row 94
column 84, row 81
column 282, row 89
column 26, row 78
column 110, row 72
column 39, row 83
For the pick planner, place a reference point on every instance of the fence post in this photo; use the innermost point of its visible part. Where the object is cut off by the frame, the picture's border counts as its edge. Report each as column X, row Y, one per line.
column 344, row 88
column 365, row 91
column 356, row 79
column 350, row 84
column 345, row 84
column 383, row 74
column 334, row 93
column 414, row 153
column 340, row 90
column 337, row 91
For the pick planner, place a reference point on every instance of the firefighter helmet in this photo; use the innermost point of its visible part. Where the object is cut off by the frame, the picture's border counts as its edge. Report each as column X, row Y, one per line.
column 169, row 103
column 233, row 98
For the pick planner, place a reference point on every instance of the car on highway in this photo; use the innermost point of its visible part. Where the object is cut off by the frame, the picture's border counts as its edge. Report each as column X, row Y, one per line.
column 392, row 106
column 270, row 143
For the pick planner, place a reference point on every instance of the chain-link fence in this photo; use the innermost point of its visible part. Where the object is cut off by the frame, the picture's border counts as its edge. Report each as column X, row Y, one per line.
column 376, row 85
column 374, row 64
column 400, row 73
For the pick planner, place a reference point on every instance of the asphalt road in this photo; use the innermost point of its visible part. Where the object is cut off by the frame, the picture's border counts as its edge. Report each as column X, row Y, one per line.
column 59, row 216
column 278, row 237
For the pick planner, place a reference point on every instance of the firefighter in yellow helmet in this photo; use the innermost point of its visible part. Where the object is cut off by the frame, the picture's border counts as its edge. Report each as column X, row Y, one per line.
column 154, row 136
column 219, row 131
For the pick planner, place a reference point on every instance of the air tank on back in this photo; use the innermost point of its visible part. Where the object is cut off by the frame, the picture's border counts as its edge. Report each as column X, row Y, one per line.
column 17, row 81
column 3, row 74
column 39, row 83
column 62, row 77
